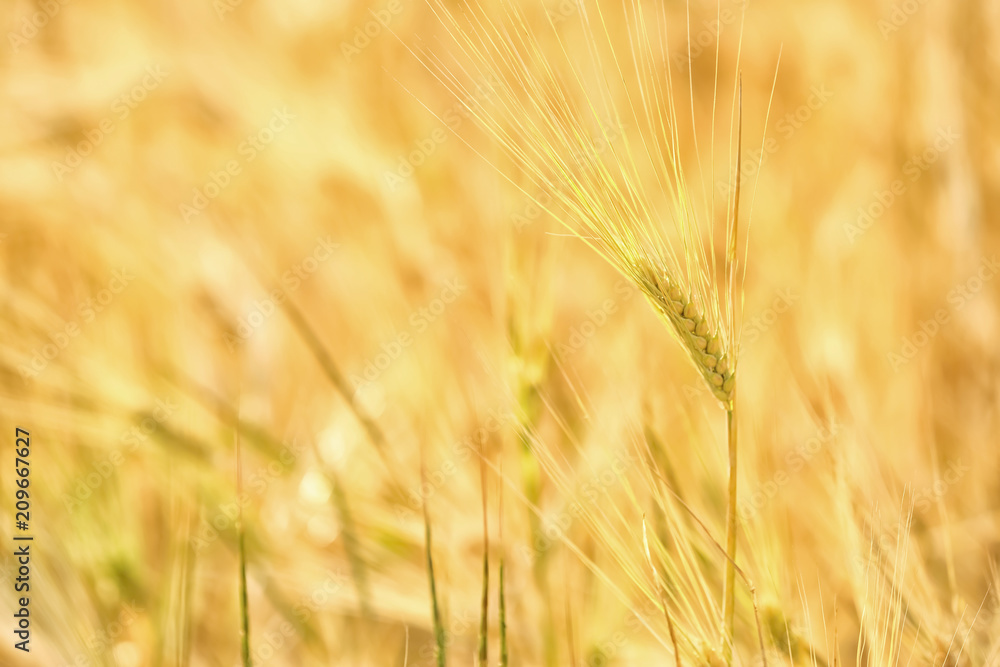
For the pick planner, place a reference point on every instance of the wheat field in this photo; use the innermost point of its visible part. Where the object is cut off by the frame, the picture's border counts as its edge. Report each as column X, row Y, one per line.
column 407, row 333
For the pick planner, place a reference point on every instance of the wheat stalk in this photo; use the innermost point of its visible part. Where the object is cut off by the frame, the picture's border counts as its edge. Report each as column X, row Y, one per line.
column 626, row 197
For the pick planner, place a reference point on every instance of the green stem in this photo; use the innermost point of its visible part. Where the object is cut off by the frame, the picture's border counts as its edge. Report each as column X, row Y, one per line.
column 503, row 620
column 244, row 606
column 729, row 609
column 242, row 555
column 439, row 639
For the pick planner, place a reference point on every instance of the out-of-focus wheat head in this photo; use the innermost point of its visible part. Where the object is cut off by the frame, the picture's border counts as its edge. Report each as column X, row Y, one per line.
column 613, row 173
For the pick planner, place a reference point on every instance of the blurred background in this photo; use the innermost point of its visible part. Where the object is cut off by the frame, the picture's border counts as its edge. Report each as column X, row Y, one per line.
column 268, row 223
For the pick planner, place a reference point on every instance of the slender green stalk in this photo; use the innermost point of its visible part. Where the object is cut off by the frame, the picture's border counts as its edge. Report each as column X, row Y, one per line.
column 485, row 603
column 244, row 608
column 503, row 620
column 663, row 595
column 729, row 609
column 242, row 554
column 503, row 602
column 484, row 611
column 435, row 609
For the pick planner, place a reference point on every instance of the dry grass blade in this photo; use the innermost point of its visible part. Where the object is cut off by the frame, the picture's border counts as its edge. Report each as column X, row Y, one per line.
column 663, row 597
column 739, row 572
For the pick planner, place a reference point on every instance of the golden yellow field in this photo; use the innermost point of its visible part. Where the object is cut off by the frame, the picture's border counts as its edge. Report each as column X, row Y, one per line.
column 302, row 237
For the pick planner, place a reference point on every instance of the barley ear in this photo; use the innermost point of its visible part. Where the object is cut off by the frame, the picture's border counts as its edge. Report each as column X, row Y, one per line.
column 703, row 342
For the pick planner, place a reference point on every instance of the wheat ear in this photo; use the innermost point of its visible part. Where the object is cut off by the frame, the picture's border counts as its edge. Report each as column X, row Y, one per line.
column 688, row 322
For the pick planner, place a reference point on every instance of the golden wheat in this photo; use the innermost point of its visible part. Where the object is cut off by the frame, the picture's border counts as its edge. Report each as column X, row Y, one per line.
column 622, row 190
column 561, row 132
column 692, row 328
